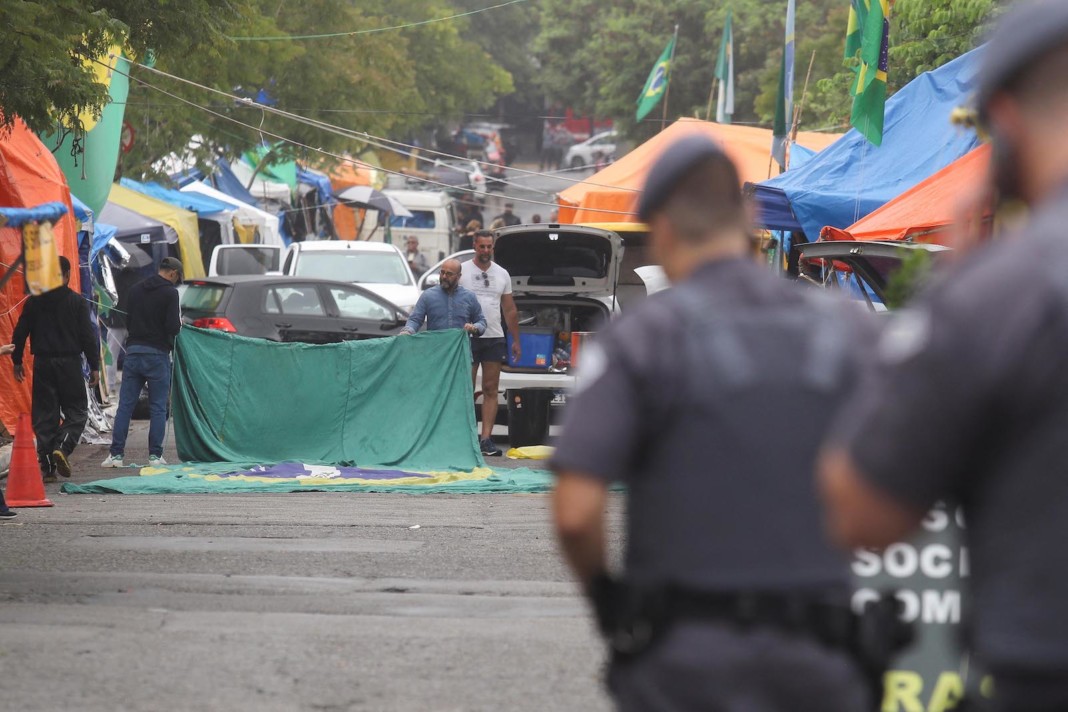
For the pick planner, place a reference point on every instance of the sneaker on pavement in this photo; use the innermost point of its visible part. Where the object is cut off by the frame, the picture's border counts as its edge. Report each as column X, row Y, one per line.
column 489, row 448
column 8, row 513
column 62, row 464
column 156, row 460
column 112, row 461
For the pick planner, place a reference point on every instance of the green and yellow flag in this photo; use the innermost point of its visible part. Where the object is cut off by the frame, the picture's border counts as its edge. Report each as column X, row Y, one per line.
column 656, row 84
column 868, row 39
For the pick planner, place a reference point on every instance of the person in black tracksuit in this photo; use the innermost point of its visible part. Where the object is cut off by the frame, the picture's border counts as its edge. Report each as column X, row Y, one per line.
column 60, row 331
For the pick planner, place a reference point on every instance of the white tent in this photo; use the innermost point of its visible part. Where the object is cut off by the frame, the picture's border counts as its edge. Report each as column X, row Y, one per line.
column 270, row 192
column 247, row 214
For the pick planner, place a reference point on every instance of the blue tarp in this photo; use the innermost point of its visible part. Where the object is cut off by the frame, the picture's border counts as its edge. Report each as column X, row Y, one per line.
column 224, row 179
column 50, row 212
column 851, row 177
column 102, row 233
column 197, row 202
column 320, row 181
column 81, row 210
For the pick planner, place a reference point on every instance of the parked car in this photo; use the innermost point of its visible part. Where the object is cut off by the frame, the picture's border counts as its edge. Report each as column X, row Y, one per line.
column 586, row 153
column 245, row 259
column 864, row 269
column 376, row 266
column 432, row 277
column 461, row 173
column 281, row 308
column 433, row 222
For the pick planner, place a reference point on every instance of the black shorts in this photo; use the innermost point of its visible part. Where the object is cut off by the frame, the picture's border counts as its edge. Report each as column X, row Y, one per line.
column 491, row 349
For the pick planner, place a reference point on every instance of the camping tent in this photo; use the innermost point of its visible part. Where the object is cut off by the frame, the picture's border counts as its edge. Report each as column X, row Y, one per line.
column 184, row 223
column 215, row 219
column 611, row 194
column 29, row 176
column 852, row 178
column 248, row 214
column 924, row 212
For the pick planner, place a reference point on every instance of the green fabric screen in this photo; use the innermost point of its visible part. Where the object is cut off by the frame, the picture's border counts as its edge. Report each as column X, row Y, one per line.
column 403, row 402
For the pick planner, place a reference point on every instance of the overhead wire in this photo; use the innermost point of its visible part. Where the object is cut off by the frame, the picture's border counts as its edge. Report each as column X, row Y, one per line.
column 336, row 156
column 354, row 33
column 376, row 141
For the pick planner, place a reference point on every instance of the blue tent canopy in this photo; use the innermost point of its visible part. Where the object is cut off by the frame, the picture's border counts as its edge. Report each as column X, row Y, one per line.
column 198, row 203
column 45, row 212
column 320, row 181
column 851, row 177
column 224, row 179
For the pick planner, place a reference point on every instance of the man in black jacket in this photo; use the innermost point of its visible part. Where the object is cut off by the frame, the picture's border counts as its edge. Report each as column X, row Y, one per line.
column 152, row 323
column 57, row 323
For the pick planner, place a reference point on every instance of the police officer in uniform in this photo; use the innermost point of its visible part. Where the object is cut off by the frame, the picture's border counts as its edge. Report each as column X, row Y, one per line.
column 709, row 401
column 970, row 402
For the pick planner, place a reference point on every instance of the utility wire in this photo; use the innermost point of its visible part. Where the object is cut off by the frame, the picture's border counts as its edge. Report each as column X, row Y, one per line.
column 363, row 136
column 289, row 38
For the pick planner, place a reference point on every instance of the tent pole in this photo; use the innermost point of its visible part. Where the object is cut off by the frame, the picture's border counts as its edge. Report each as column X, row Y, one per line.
column 671, row 70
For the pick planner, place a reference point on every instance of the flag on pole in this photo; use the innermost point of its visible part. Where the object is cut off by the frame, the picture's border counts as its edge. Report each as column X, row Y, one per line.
column 656, row 84
column 725, row 74
column 784, row 105
column 868, row 38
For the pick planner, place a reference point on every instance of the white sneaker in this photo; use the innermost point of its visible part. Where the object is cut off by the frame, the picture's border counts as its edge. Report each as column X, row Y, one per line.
column 113, row 461
column 156, row 460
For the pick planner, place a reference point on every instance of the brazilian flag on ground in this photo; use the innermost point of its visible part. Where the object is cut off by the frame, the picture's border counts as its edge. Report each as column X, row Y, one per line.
column 868, row 38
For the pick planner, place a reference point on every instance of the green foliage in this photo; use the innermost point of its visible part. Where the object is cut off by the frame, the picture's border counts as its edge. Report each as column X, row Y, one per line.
column 47, row 48
column 909, row 279
column 595, row 56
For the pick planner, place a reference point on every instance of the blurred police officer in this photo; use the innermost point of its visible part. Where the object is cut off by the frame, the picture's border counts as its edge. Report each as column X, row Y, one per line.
column 709, row 401
column 971, row 398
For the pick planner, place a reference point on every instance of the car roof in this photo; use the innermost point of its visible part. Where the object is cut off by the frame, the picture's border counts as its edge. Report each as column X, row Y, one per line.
column 420, row 198
column 344, row 245
column 236, row 279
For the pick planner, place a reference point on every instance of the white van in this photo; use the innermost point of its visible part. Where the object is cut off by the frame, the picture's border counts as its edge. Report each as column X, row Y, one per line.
column 433, row 222
column 375, row 266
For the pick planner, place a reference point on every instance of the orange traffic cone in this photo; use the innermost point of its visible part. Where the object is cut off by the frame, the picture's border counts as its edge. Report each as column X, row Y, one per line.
column 25, row 488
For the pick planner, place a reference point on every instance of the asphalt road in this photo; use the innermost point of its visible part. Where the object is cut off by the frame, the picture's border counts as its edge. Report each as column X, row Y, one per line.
column 311, row 601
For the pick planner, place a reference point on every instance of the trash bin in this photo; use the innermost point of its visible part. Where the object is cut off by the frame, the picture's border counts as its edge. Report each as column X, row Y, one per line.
column 528, row 415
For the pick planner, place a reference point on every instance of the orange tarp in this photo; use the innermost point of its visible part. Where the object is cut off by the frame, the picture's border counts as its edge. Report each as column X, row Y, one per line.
column 924, row 212
column 611, row 194
column 342, row 176
column 29, row 176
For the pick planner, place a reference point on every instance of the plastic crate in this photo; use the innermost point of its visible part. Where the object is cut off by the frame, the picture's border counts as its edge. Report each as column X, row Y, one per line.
column 537, row 344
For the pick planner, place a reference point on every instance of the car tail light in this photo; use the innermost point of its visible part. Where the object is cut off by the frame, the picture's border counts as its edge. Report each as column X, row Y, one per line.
column 215, row 322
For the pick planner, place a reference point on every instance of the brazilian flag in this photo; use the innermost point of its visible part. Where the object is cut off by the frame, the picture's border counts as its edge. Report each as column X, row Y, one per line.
column 868, row 39
column 656, row 84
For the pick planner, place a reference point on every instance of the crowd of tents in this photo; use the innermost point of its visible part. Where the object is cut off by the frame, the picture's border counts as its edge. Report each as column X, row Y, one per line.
column 838, row 186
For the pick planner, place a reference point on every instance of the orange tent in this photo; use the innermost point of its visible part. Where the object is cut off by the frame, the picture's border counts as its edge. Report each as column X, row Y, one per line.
column 924, row 212
column 346, row 175
column 29, row 176
column 611, row 194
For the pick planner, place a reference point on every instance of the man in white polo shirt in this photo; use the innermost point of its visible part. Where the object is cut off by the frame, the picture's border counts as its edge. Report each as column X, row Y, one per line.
column 492, row 284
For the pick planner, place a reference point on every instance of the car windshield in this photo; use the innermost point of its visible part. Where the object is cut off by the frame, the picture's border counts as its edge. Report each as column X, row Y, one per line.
column 247, row 259
column 419, row 219
column 353, row 266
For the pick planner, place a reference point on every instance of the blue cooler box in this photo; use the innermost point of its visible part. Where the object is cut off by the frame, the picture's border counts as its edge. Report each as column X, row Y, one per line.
column 537, row 344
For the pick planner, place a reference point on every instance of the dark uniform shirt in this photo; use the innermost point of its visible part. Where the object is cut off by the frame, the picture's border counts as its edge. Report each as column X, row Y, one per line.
column 973, row 406
column 58, row 324
column 710, row 401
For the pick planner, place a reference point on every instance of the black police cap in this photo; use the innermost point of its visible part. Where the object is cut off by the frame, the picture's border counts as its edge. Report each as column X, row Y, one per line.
column 1024, row 34
column 672, row 165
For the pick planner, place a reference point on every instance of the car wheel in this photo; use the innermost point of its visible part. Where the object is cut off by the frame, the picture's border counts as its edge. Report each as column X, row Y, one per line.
column 577, row 162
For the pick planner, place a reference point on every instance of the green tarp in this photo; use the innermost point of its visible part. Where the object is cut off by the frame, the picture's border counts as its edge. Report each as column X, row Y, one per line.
column 403, row 402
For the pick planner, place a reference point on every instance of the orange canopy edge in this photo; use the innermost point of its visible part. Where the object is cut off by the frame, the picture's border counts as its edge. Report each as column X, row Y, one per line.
column 29, row 176
column 611, row 194
column 924, row 212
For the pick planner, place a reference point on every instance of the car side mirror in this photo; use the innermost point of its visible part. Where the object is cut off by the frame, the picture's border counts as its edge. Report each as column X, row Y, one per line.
column 432, row 280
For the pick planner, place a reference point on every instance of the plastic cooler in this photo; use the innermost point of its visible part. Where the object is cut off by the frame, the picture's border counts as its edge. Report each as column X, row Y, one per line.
column 537, row 344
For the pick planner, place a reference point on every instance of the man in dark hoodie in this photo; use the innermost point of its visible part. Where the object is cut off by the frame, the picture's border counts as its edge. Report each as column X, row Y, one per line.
column 58, row 326
column 152, row 323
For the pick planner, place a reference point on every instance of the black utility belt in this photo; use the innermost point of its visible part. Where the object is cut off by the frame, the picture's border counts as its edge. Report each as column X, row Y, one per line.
column 831, row 623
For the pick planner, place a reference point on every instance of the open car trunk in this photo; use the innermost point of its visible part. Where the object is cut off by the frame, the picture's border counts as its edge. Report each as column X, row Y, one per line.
column 547, row 323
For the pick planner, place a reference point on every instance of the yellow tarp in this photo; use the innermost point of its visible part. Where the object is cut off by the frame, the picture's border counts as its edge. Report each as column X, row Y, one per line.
column 184, row 223
column 611, row 194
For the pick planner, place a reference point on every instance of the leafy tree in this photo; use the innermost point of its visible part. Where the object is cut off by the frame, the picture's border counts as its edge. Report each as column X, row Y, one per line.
column 47, row 48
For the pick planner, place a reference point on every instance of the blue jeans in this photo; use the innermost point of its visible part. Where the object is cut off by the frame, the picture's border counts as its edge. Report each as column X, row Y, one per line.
column 139, row 369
